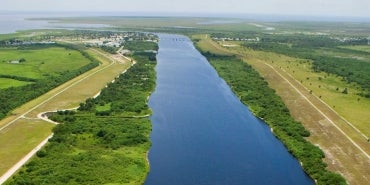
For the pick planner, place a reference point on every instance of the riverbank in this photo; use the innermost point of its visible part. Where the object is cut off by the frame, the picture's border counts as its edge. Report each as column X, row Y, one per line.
column 92, row 143
column 341, row 155
column 254, row 91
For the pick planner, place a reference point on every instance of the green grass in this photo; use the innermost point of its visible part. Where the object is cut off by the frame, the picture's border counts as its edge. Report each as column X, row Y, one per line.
column 141, row 46
column 359, row 48
column 6, row 83
column 19, row 139
column 10, row 141
column 105, row 107
column 40, row 62
column 350, row 52
column 98, row 149
column 351, row 106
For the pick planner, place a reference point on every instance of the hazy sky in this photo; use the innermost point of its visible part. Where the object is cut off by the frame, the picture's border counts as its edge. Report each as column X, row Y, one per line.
column 360, row 8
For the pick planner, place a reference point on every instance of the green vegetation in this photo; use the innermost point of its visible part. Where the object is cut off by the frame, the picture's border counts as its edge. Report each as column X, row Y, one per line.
column 109, row 49
column 89, row 147
column 141, row 46
column 41, row 62
column 262, row 100
column 70, row 94
column 6, row 83
column 46, row 66
column 19, row 139
column 326, row 54
column 133, row 94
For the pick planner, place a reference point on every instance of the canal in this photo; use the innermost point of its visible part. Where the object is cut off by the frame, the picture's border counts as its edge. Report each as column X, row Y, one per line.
column 202, row 134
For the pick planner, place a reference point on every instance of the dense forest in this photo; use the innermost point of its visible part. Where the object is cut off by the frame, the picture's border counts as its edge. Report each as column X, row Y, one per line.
column 13, row 97
column 99, row 143
column 141, row 46
column 254, row 91
column 307, row 47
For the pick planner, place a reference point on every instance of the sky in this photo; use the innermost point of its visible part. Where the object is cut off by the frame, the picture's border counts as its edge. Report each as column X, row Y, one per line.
column 345, row 8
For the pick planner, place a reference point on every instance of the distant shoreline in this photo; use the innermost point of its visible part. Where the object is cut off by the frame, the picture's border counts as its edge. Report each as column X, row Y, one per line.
column 250, row 17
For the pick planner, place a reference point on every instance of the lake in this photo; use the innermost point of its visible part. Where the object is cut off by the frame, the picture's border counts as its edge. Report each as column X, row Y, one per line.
column 202, row 134
column 11, row 22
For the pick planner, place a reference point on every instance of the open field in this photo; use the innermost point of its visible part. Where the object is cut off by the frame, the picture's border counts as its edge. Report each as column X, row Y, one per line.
column 359, row 48
column 6, row 83
column 20, row 138
column 348, row 153
column 75, row 91
column 348, row 52
column 40, row 62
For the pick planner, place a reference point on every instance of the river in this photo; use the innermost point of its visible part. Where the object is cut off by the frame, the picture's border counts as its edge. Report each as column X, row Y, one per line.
column 202, row 134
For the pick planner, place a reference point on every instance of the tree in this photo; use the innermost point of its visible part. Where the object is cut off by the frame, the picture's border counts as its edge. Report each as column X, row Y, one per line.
column 345, row 91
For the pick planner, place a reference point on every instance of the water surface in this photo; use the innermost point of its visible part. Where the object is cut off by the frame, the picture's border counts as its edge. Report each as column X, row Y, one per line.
column 11, row 22
column 202, row 133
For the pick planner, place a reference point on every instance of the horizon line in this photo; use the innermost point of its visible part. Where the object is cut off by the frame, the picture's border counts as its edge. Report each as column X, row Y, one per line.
column 258, row 16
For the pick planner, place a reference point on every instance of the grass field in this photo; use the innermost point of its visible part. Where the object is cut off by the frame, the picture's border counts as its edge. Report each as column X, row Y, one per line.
column 6, row 83
column 339, row 53
column 39, row 63
column 19, row 139
column 67, row 95
column 341, row 155
column 359, row 48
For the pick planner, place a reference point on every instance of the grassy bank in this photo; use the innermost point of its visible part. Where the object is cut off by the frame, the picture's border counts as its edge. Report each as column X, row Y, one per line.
column 262, row 100
column 98, row 145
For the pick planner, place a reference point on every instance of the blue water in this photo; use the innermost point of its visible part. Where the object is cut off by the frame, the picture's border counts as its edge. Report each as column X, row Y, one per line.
column 202, row 134
column 11, row 22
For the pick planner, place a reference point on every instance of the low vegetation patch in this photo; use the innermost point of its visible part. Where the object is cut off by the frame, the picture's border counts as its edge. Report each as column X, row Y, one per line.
column 140, row 45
